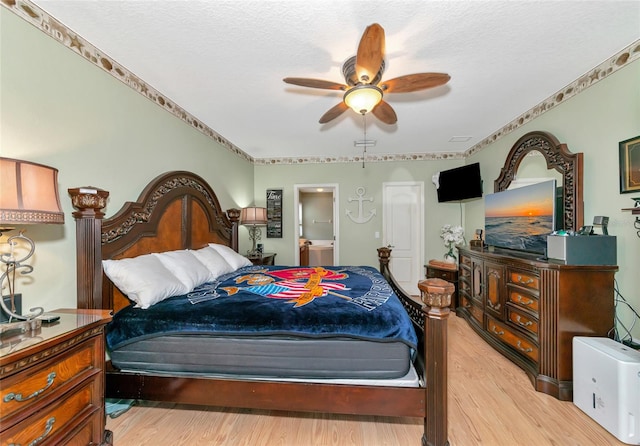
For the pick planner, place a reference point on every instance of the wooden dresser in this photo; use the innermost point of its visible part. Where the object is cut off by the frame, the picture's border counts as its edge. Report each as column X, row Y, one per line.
column 52, row 382
column 530, row 310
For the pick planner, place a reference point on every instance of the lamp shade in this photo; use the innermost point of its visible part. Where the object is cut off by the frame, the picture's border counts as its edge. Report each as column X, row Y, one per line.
column 28, row 193
column 253, row 216
column 363, row 98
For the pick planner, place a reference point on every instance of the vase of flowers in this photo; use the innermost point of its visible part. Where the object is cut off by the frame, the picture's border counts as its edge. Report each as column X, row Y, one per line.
column 453, row 236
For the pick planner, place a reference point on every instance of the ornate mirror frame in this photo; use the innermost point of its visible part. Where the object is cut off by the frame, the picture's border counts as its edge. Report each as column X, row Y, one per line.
column 558, row 157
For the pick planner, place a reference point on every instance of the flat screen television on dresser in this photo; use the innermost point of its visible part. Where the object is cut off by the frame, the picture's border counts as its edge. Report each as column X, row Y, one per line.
column 522, row 218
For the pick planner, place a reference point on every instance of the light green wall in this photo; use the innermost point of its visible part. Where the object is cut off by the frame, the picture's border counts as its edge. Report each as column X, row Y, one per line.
column 357, row 242
column 60, row 110
column 593, row 122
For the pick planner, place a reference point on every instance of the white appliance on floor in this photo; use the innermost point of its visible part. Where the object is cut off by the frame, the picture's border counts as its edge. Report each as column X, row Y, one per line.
column 606, row 385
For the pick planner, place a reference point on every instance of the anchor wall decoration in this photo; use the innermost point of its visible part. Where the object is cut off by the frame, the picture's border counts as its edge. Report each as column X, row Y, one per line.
column 360, row 218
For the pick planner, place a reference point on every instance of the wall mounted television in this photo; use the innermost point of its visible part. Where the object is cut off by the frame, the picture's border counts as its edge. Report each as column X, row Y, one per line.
column 521, row 218
column 460, row 183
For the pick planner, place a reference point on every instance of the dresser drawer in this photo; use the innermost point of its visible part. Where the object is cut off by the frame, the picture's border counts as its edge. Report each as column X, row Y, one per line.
column 85, row 434
column 68, row 413
column 523, row 300
column 449, row 276
column 513, row 338
column 522, row 321
column 524, row 279
column 465, row 301
column 474, row 310
column 21, row 391
column 477, row 314
column 465, row 287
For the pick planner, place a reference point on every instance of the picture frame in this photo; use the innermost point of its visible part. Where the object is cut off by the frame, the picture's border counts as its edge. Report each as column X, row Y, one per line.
column 274, row 213
column 630, row 165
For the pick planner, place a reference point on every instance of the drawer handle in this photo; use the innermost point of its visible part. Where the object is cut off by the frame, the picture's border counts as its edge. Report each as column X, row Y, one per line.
column 520, row 300
column 499, row 333
column 47, row 431
column 525, row 282
column 18, row 396
column 524, row 350
column 524, row 324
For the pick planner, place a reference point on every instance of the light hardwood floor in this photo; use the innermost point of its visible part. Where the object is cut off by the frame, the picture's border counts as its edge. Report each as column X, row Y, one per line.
column 483, row 410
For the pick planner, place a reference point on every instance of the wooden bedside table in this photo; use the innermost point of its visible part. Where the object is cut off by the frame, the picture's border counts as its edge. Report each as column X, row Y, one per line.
column 268, row 258
column 52, row 382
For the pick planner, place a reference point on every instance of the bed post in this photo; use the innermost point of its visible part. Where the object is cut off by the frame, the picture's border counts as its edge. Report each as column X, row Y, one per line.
column 433, row 316
column 89, row 202
column 436, row 295
column 234, row 216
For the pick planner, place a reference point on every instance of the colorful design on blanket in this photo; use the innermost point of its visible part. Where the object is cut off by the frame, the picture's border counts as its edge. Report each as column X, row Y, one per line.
column 351, row 301
column 300, row 285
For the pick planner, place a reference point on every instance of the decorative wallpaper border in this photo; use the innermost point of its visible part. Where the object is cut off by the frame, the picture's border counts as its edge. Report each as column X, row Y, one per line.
column 360, row 159
column 53, row 28
column 610, row 66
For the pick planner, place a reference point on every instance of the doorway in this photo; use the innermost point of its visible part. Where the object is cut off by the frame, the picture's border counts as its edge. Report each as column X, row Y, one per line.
column 403, row 231
column 316, row 222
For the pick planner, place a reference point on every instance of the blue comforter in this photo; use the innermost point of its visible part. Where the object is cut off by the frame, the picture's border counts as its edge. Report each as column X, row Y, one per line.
column 313, row 302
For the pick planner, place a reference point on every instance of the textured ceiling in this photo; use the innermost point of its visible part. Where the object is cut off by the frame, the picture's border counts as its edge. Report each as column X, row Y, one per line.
column 223, row 62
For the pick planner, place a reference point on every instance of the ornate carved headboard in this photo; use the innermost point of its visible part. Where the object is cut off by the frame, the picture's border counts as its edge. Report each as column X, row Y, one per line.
column 558, row 157
column 177, row 210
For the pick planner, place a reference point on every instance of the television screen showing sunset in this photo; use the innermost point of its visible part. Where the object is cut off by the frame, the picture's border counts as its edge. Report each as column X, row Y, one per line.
column 521, row 218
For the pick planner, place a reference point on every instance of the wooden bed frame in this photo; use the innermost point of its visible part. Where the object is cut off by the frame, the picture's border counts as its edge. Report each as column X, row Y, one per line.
column 179, row 210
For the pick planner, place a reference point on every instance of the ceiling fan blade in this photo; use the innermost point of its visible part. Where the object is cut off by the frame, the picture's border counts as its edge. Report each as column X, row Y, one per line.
column 384, row 112
column 334, row 112
column 370, row 53
column 414, row 82
column 314, row 83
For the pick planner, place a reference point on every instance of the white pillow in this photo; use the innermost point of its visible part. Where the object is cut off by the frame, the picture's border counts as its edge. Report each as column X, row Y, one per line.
column 214, row 262
column 143, row 279
column 186, row 267
column 233, row 258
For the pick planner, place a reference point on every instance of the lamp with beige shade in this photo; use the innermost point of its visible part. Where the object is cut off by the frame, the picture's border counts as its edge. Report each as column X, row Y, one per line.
column 28, row 195
column 253, row 217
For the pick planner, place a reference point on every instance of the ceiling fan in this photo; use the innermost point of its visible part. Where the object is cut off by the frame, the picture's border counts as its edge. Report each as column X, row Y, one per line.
column 364, row 89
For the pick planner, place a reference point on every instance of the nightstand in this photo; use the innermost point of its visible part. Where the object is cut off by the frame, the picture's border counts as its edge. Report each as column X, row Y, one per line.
column 52, row 382
column 268, row 258
column 445, row 271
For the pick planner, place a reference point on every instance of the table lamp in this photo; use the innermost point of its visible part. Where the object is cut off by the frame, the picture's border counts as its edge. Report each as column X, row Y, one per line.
column 254, row 217
column 28, row 195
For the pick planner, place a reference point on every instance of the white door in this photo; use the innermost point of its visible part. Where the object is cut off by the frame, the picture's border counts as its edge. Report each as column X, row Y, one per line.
column 403, row 231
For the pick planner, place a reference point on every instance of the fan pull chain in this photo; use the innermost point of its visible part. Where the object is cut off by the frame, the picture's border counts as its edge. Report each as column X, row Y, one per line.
column 364, row 150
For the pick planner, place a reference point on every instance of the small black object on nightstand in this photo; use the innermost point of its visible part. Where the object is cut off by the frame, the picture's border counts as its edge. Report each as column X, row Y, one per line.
column 48, row 318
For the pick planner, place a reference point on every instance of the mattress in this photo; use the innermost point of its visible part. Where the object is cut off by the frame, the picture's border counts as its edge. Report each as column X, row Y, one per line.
column 411, row 379
column 272, row 321
column 331, row 358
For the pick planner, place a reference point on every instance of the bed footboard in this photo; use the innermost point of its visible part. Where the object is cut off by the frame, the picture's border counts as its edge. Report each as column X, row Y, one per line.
column 430, row 321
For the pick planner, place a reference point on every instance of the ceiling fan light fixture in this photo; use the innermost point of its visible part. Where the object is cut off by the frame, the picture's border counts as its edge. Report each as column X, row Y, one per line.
column 363, row 74
column 363, row 98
